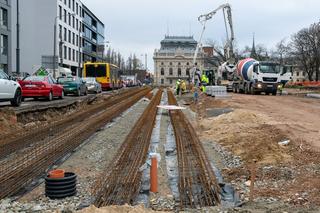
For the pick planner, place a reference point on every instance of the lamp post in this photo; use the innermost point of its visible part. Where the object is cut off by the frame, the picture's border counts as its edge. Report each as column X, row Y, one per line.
column 55, row 42
column 18, row 42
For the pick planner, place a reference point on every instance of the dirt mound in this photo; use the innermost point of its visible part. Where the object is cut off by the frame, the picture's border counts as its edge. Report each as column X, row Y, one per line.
column 8, row 121
column 117, row 209
column 249, row 135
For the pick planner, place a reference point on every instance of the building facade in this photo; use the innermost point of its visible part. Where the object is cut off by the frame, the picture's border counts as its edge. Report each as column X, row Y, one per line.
column 93, row 37
column 5, row 36
column 37, row 20
column 174, row 59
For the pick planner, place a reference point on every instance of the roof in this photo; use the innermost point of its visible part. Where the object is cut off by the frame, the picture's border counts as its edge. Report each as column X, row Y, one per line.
column 182, row 39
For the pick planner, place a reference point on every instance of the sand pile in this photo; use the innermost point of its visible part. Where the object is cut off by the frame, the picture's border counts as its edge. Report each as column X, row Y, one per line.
column 249, row 135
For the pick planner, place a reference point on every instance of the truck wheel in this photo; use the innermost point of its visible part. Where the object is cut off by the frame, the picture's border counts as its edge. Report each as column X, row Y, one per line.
column 17, row 98
column 252, row 90
column 246, row 90
column 274, row 93
column 79, row 92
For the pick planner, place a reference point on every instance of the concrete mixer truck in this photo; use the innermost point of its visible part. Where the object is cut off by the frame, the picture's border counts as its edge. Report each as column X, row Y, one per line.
column 255, row 77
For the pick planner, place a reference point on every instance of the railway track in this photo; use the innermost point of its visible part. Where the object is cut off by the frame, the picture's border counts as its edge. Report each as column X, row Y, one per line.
column 20, row 168
column 197, row 183
column 120, row 182
column 14, row 143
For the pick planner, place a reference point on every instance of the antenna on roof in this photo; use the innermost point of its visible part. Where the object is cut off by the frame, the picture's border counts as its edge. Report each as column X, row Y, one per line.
column 168, row 32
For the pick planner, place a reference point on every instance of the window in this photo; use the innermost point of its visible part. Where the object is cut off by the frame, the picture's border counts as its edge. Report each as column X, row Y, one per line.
column 179, row 71
column 179, row 63
column 65, row 16
column 60, row 31
column 171, row 63
column 70, row 4
column 65, row 2
column 188, row 72
column 69, row 55
column 77, row 41
column 77, row 24
column 162, row 71
column 69, row 40
column 73, row 21
column 60, row 12
column 4, row 44
column 65, row 52
column 69, row 17
column 77, row 56
column 170, row 81
column 170, row 71
column 65, row 34
column 73, row 5
column 162, row 63
column 4, row 18
column 187, row 63
column 298, row 73
column 162, row 81
column 73, row 38
column 77, row 10
column 73, row 55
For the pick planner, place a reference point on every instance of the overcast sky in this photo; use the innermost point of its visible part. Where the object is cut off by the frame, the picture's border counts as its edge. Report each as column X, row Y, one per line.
column 138, row 26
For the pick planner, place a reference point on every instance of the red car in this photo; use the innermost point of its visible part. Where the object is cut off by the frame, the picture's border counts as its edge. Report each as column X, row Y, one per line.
column 41, row 86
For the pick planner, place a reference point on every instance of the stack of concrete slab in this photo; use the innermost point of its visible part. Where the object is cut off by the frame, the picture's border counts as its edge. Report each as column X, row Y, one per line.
column 216, row 91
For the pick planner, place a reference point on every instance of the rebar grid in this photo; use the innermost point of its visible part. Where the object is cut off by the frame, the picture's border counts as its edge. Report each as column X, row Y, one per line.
column 22, row 167
column 197, row 182
column 120, row 182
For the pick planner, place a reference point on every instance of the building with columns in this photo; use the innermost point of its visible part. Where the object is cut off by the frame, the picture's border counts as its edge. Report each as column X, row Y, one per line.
column 173, row 60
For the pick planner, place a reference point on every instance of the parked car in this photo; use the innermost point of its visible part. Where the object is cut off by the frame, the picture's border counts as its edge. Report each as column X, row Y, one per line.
column 93, row 85
column 41, row 87
column 10, row 90
column 73, row 85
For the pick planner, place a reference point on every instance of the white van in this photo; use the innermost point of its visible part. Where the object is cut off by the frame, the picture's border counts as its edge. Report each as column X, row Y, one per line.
column 10, row 90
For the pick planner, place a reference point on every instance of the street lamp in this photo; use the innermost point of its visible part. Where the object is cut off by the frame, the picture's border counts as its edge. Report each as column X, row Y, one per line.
column 55, row 41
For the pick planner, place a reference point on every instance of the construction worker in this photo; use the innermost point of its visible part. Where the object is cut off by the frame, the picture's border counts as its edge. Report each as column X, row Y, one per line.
column 178, row 86
column 204, row 82
column 183, row 86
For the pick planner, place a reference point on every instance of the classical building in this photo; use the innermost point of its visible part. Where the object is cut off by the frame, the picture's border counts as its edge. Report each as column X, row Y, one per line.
column 173, row 60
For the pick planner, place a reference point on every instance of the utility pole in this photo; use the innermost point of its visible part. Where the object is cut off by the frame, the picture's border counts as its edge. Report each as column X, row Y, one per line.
column 18, row 42
column 146, row 61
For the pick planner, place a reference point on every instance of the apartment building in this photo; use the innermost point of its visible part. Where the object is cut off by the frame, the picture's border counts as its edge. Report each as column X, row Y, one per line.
column 93, row 37
column 5, row 36
column 37, row 20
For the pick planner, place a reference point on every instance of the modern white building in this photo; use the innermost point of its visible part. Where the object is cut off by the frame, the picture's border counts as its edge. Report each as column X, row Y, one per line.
column 173, row 60
column 37, row 20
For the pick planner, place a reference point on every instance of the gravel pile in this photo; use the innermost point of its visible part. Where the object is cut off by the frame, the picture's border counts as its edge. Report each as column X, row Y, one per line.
column 228, row 159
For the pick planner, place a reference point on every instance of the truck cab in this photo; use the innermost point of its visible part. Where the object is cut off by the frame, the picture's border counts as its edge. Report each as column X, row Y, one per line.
column 266, row 77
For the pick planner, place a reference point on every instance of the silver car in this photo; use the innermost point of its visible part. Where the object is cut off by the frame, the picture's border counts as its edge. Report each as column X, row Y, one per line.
column 93, row 85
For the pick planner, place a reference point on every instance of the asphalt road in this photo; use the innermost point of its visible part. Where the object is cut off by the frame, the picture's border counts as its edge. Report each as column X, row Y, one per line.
column 29, row 103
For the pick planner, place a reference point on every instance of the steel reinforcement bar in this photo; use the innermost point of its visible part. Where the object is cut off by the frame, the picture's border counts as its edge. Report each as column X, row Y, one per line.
column 197, row 182
column 120, row 182
column 11, row 144
column 18, row 172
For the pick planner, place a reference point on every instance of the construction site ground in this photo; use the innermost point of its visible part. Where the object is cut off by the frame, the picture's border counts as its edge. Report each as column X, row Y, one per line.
column 245, row 129
column 235, row 132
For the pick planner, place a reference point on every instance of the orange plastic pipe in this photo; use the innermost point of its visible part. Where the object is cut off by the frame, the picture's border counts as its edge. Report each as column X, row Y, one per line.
column 154, row 175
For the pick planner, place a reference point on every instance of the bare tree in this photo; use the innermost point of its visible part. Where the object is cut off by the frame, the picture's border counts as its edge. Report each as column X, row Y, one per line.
column 305, row 48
